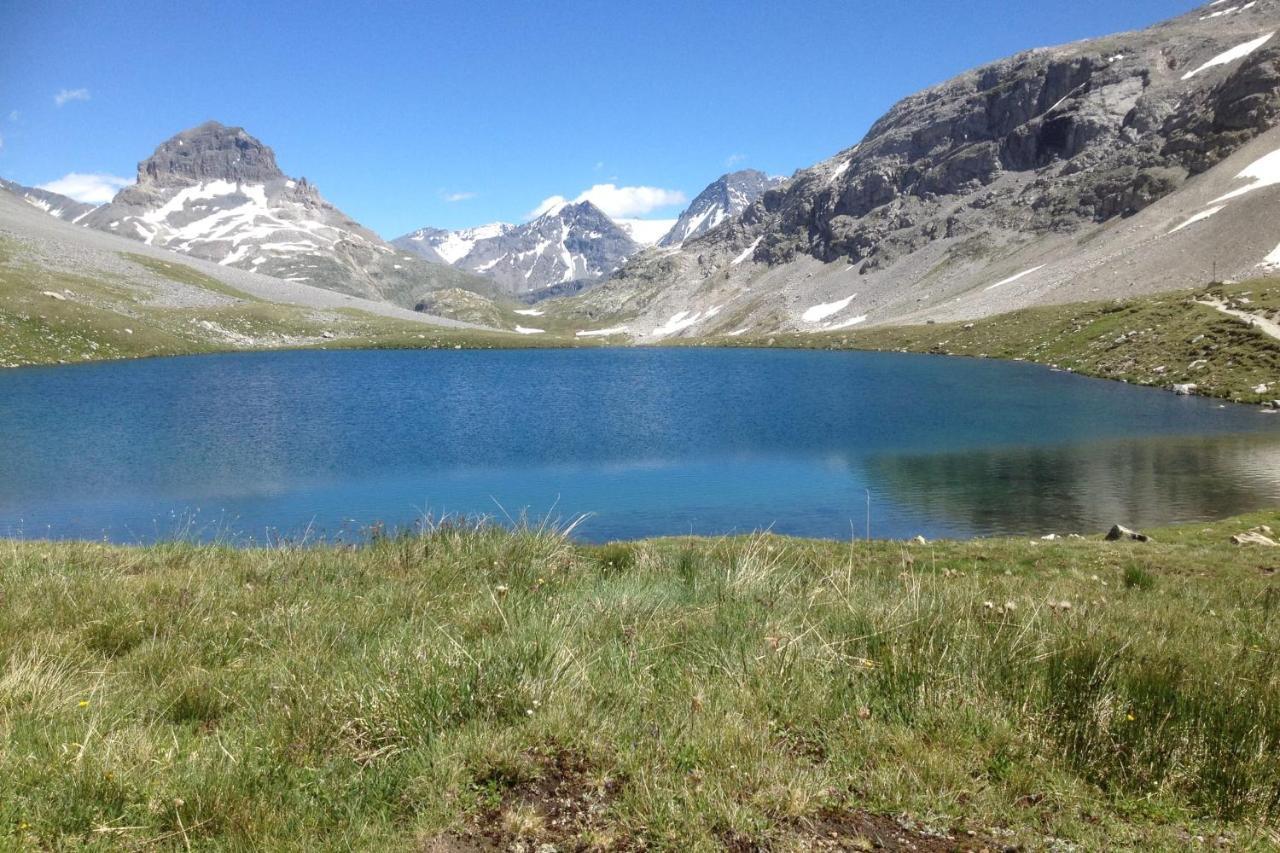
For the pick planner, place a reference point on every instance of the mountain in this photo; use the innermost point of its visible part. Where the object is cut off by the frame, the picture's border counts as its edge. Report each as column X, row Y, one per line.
column 646, row 232
column 448, row 247
column 71, row 294
column 54, row 204
column 569, row 243
column 1130, row 164
column 215, row 192
column 726, row 198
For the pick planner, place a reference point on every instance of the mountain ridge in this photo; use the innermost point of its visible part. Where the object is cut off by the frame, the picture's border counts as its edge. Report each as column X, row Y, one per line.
column 968, row 198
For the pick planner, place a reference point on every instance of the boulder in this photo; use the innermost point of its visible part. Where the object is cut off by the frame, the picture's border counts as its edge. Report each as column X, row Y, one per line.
column 1261, row 536
column 1185, row 390
column 1122, row 533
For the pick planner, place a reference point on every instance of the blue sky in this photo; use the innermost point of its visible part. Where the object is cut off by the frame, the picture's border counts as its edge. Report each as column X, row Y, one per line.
column 458, row 113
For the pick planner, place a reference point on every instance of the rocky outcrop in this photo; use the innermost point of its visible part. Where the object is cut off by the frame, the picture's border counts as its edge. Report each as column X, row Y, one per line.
column 210, row 152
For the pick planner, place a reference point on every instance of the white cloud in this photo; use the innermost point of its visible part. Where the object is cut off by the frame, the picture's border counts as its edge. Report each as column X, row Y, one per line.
column 1, row 141
column 91, row 189
column 66, row 95
column 735, row 160
column 618, row 201
column 456, row 197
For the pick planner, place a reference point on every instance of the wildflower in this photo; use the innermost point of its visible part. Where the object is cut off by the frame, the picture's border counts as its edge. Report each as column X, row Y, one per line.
column 864, row 713
column 1130, row 717
column 989, row 605
column 502, row 589
column 84, row 703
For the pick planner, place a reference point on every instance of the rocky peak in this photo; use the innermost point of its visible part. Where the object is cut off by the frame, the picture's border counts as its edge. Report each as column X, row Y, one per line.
column 210, row 152
column 725, row 198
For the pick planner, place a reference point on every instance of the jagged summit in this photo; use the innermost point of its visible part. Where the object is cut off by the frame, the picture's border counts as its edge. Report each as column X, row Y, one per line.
column 726, row 197
column 210, row 152
column 571, row 242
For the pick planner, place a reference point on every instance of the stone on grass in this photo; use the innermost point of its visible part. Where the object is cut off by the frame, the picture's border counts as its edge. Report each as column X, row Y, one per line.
column 1120, row 532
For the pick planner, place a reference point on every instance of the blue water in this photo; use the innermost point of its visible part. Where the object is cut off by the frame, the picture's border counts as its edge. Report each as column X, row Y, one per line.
column 647, row 442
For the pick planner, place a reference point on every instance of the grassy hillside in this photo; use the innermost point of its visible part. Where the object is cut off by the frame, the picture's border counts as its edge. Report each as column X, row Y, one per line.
column 52, row 317
column 473, row 689
column 1158, row 340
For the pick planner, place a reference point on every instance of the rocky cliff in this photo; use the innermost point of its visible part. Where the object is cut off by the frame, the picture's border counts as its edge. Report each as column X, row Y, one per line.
column 1054, row 170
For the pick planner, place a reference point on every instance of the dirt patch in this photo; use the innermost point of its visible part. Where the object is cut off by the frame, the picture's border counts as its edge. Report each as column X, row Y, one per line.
column 862, row 831
column 555, row 800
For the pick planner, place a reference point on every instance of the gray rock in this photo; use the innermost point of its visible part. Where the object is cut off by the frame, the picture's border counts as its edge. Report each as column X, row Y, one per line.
column 1121, row 533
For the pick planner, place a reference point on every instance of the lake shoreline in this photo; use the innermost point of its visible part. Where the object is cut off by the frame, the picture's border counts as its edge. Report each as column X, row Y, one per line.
column 1227, row 359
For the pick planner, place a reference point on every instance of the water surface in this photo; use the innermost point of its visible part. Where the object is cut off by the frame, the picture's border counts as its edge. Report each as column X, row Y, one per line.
column 649, row 442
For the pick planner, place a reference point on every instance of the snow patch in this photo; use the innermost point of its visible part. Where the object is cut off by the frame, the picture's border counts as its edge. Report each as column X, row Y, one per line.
column 1226, row 57
column 603, row 333
column 530, row 312
column 1199, row 217
column 856, row 321
column 1262, row 173
column 818, row 313
column 646, row 232
column 1273, row 259
column 678, row 323
column 751, row 250
column 1011, row 279
column 526, row 331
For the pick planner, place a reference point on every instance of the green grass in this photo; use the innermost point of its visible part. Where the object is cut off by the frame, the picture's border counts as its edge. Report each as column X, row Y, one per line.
column 184, row 274
column 104, row 317
column 464, row 683
column 1157, row 340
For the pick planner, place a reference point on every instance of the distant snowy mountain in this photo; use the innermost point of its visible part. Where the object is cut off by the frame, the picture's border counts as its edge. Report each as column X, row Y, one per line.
column 723, row 200
column 570, row 242
column 58, row 206
column 448, row 247
column 646, row 232
column 215, row 192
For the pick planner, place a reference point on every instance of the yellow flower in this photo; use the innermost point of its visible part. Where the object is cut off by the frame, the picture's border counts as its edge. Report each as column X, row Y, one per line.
column 84, row 703
column 1130, row 717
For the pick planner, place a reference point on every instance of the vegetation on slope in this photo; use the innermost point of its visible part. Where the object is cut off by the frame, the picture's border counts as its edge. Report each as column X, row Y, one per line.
column 469, row 688
column 52, row 317
column 1157, row 340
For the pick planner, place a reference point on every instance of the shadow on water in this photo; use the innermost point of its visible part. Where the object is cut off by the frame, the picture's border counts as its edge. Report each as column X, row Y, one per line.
column 1083, row 488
